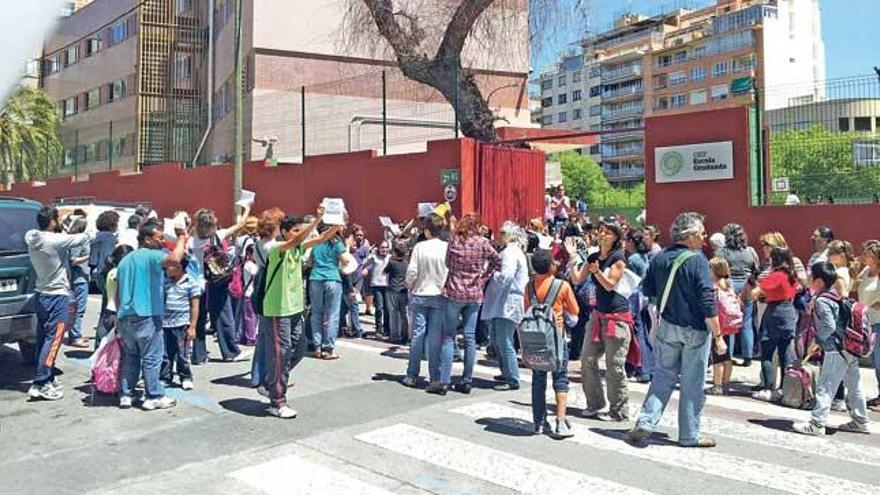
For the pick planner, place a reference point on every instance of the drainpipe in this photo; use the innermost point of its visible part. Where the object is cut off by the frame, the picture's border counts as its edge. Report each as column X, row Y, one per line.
column 359, row 120
column 210, row 82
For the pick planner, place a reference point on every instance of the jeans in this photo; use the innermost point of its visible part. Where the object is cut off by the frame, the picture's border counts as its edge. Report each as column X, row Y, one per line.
column 501, row 332
column 177, row 351
column 382, row 305
column 427, row 320
column 223, row 320
column 539, row 388
column 399, row 322
column 141, row 347
column 747, row 333
column 81, row 298
column 645, row 344
column 351, row 308
column 770, row 345
column 200, row 346
column 326, row 298
column 678, row 351
column 53, row 312
column 283, row 337
column 875, row 355
column 839, row 367
column 615, row 349
column 444, row 346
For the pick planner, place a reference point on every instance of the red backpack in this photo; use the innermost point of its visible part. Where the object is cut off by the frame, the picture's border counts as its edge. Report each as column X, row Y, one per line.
column 730, row 313
column 857, row 338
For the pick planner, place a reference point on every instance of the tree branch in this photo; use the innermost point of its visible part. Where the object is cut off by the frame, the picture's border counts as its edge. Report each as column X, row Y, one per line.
column 402, row 42
column 460, row 27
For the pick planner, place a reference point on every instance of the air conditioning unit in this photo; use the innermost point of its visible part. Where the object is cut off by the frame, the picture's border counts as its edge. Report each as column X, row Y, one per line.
column 678, row 42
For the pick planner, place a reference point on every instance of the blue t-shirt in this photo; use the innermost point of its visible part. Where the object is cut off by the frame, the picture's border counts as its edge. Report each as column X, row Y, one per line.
column 141, row 281
column 177, row 297
column 325, row 261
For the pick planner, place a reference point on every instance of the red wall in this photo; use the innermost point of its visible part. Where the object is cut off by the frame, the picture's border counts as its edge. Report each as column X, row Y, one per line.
column 370, row 185
column 724, row 201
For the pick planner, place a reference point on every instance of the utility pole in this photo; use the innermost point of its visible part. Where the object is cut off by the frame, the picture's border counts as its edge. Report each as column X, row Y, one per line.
column 239, row 127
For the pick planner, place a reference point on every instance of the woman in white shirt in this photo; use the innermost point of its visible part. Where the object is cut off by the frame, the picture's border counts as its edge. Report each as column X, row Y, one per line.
column 869, row 295
column 840, row 254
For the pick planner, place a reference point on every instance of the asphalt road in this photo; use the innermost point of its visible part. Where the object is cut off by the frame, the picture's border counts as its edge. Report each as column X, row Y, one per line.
column 360, row 431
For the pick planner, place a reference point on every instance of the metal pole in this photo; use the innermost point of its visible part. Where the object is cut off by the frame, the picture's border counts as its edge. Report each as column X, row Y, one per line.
column 239, row 127
column 110, row 146
column 455, row 105
column 384, row 114
column 75, row 154
column 302, row 109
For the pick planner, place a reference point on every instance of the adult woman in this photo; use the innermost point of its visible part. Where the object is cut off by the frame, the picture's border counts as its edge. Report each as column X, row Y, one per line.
column 325, row 294
column 610, row 329
column 869, row 295
column 840, row 254
column 208, row 238
column 743, row 262
column 503, row 306
column 79, row 283
column 471, row 259
column 779, row 323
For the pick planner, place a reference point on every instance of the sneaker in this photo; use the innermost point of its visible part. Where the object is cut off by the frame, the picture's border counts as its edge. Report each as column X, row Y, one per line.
column 746, row 363
column 838, row 406
column 638, row 436
column 124, row 402
column 591, row 413
column 808, row 428
column 506, row 387
column 499, row 378
column 33, row 392
column 437, row 389
column 163, row 402
column 186, row 384
column 854, row 427
column 464, row 388
column 715, row 390
column 283, row 412
column 79, row 343
column 57, row 383
column 263, row 391
column 48, row 391
column 242, row 356
column 701, row 443
column 408, row 382
column 544, row 428
column 562, row 431
column 614, row 416
column 763, row 395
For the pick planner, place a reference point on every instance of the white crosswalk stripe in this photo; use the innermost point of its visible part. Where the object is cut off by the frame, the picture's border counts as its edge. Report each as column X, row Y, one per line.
column 490, row 465
column 292, row 475
column 773, row 476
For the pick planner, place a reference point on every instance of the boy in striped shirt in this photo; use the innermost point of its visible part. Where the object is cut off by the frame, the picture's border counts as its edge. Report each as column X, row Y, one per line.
column 182, row 295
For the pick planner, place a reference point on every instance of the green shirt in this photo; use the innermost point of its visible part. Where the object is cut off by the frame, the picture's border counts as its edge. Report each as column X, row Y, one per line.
column 285, row 296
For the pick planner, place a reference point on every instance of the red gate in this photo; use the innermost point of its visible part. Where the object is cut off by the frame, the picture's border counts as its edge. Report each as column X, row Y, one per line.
column 510, row 183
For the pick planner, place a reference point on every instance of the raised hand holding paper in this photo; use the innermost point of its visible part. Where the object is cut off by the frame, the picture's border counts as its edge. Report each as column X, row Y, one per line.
column 334, row 211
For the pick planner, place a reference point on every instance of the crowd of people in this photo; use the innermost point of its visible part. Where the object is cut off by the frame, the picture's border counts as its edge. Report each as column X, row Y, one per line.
column 290, row 285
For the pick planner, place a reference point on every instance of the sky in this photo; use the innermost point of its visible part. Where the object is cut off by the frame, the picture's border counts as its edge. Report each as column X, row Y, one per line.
column 849, row 28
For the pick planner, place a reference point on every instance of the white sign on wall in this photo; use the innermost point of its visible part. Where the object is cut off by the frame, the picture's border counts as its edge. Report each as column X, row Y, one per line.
column 693, row 162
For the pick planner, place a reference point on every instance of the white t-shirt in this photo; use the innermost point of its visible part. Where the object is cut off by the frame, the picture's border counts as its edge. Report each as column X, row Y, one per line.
column 378, row 277
column 844, row 277
column 128, row 237
column 197, row 246
column 869, row 295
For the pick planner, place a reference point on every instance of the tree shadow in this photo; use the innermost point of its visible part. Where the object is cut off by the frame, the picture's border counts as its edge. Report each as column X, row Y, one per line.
column 246, row 407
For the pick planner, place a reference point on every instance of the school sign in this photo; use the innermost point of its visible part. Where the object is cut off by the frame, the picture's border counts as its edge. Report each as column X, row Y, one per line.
column 694, row 162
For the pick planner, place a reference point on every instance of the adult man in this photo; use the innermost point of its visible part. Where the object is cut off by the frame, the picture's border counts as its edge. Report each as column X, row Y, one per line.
column 284, row 306
column 141, row 305
column 822, row 236
column 425, row 279
column 48, row 249
column 129, row 236
column 679, row 276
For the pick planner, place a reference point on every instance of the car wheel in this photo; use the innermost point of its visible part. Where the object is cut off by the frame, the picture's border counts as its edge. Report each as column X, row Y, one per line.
column 28, row 352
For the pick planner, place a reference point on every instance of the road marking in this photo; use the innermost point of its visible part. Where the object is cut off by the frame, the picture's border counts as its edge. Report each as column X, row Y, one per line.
column 486, row 464
column 765, row 475
column 292, row 475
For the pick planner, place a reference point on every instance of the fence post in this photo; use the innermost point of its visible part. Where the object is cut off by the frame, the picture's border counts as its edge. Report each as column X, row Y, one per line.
column 302, row 104
column 110, row 146
column 384, row 114
column 455, row 104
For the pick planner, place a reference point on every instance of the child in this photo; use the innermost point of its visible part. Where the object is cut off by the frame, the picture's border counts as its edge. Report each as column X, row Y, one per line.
column 182, row 295
column 564, row 306
column 108, row 317
column 722, row 364
column 837, row 365
column 396, row 271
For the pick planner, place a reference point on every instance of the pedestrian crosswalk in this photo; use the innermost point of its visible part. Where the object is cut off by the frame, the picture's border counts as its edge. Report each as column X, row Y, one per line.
column 460, row 446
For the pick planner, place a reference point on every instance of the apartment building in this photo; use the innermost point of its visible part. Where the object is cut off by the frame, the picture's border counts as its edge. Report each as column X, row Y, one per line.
column 148, row 82
column 690, row 60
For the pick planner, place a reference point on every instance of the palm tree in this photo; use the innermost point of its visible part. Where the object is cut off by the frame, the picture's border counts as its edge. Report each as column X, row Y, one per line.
column 30, row 142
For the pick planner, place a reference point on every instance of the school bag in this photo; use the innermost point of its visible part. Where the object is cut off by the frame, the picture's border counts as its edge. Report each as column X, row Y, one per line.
column 857, row 338
column 799, row 385
column 218, row 269
column 542, row 345
column 106, row 364
column 237, row 287
column 261, row 284
column 730, row 313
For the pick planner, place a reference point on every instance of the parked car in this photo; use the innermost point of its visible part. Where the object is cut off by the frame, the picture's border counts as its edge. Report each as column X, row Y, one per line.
column 18, row 319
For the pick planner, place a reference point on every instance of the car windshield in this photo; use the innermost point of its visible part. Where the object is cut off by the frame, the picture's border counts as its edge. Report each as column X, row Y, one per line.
column 14, row 222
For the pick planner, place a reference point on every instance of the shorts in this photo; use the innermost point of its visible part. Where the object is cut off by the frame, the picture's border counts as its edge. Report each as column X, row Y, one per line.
column 716, row 358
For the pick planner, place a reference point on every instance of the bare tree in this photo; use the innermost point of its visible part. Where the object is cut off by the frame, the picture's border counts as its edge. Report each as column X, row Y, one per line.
column 426, row 38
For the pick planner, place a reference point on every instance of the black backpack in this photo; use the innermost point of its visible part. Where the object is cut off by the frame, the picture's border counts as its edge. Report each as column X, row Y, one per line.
column 261, row 284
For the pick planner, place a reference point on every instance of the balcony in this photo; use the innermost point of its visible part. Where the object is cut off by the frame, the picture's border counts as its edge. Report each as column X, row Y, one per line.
column 631, row 151
column 624, row 92
column 626, row 72
column 633, row 172
column 640, row 36
column 621, row 137
column 621, row 113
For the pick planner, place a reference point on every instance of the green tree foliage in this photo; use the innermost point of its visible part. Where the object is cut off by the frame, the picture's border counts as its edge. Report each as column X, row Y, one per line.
column 30, row 143
column 583, row 179
column 820, row 164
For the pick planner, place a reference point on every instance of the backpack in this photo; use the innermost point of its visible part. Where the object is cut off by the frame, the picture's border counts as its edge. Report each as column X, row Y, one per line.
column 730, row 313
column 261, row 284
column 798, row 386
column 542, row 345
column 218, row 269
column 237, row 287
column 857, row 338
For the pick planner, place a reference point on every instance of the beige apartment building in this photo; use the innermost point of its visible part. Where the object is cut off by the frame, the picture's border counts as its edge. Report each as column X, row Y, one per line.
column 687, row 60
column 152, row 82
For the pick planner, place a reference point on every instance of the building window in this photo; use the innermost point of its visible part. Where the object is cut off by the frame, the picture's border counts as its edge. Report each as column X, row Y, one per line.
column 183, row 6
column 561, row 81
column 660, row 81
column 866, row 153
column 118, row 32
column 680, row 57
column 595, row 110
column 720, row 69
column 70, row 106
column 699, row 51
column 69, row 157
column 720, row 92
column 698, row 97
column 862, row 124
column 547, row 84
column 576, row 114
column 698, row 74
column 562, row 117
column 595, row 91
column 677, row 79
column 547, row 102
column 93, row 45
column 71, row 55
column 843, row 124
column 677, row 101
column 743, row 64
column 68, row 9
column 576, row 77
column 661, row 103
column 52, row 64
column 664, row 60
column 182, row 66
column 548, row 120
column 93, row 98
column 576, row 95
column 562, row 99
column 116, row 90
